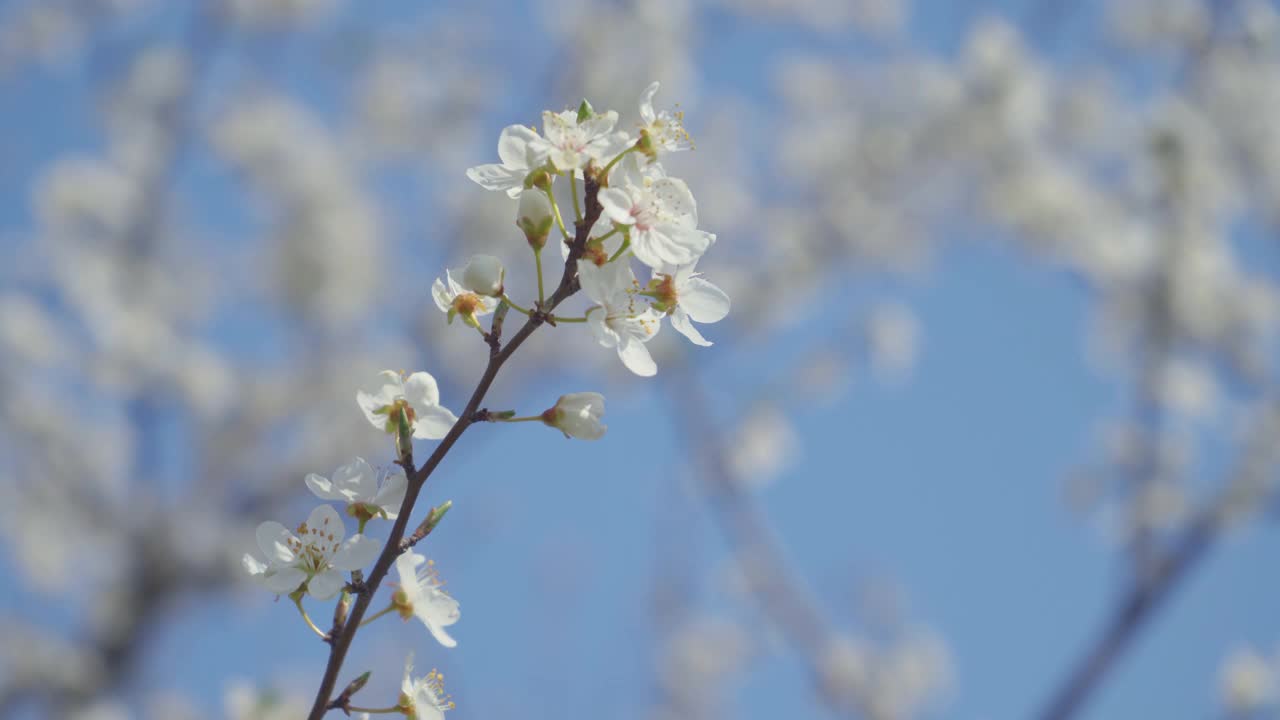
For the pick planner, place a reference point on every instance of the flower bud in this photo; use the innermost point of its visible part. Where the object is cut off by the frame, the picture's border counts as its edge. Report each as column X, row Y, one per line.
column 534, row 218
column 483, row 275
column 577, row 415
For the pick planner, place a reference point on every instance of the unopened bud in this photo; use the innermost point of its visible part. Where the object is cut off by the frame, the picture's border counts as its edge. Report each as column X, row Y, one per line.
column 577, row 415
column 645, row 145
column 534, row 218
column 483, row 275
column 358, row 684
column 539, row 178
column 341, row 610
column 433, row 518
column 585, row 111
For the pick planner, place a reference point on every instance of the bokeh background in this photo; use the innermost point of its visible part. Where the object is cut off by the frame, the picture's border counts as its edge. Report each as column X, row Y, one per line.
column 998, row 387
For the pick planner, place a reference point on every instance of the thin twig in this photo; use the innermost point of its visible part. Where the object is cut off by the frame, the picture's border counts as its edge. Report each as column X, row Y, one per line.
column 567, row 287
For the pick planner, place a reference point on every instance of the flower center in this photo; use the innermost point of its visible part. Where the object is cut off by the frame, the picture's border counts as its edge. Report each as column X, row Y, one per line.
column 314, row 546
column 466, row 304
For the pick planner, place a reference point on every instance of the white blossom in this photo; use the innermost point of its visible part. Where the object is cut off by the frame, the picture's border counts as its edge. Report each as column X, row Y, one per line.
column 455, row 300
column 424, row 698
column 416, row 396
column 571, row 144
column 578, row 415
column 662, row 218
column 662, row 131
column 615, row 321
column 521, row 150
column 420, row 596
column 356, row 484
column 686, row 297
column 317, row 555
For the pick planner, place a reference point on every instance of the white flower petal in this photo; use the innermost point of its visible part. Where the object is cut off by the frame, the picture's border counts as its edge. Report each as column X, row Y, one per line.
column 680, row 321
column 498, row 177
column 440, row 293
column 283, row 581
column 378, row 395
column 322, row 488
column 704, row 302
column 325, row 585
column 437, row 610
column 646, row 104
column 356, row 481
column 273, row 540
column 421, row 391
column 391, row 494
column 635, row 356
column 513, row 146
column 594, row 281
column 433, row 422
column 356, row 553
column 253, row 566
column 600, row 329
column 617, row 205
column 326, row 521
column 676, row 200
column 406, row 685
column 407, row 567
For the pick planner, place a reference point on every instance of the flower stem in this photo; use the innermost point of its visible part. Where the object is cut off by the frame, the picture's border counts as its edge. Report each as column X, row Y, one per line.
column 626, row 244
column 517, row 308
column 604, row 174
column 375, row 711
column 607, row 235
column 537, row 262
column 555, row 210
column 530, row 418
column 377, row 615
column 570, row 319
column 297, row 600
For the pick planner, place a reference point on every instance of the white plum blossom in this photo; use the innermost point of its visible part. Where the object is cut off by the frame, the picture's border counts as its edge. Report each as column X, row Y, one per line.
column 483, row 275
column 662, row 216
column 663, row 131
column 356, row 484
column 420, row 595
column 317, row 555
column 614, row 321
column 453, row 299
column 686, row 297
column 424, row 698
column 572, row 144
column 416, row 397
column 521, row 151
column 578, row 415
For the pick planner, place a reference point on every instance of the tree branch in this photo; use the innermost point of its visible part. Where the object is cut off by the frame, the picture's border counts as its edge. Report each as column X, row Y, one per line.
column 567, row 287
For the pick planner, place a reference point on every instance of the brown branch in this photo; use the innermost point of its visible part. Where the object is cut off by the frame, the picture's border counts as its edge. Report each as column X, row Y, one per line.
column 567, row 287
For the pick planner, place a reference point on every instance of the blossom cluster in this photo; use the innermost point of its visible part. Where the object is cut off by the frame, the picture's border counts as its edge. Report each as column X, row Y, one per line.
column 645, row 215
column 311, row 560
column 629, row 208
